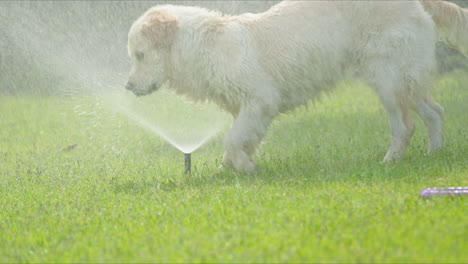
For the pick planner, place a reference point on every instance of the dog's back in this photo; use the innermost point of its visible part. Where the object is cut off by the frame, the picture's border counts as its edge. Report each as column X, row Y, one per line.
column 308, row 46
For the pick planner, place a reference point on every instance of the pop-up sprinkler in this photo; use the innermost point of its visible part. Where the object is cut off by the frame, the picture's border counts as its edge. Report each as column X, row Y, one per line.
column 188, row 163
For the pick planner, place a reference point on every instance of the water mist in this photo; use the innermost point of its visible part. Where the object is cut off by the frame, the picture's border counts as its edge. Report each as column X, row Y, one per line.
column 78, row 49
column 184, row 125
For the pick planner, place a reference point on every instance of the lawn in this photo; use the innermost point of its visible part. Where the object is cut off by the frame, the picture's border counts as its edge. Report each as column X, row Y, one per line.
column 97, row 187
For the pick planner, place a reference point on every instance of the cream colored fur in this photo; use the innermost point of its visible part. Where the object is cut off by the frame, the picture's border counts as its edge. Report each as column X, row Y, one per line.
column 256, row 66
column 451, row 21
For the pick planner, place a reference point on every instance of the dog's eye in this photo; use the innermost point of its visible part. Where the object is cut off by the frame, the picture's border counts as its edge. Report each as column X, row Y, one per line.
column 139, row 56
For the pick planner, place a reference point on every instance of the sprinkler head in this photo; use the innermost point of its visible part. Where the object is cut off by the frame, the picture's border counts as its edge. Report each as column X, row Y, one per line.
column 188, row 163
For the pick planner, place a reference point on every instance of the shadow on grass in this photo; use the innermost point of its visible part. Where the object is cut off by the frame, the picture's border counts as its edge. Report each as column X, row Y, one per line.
column 424, row 170
column 137, row 187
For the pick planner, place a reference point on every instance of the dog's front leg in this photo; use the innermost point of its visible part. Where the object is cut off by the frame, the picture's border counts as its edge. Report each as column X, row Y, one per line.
column 246, row 134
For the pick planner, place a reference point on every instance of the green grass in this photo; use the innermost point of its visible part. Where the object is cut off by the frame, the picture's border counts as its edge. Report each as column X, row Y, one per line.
column 321, row 195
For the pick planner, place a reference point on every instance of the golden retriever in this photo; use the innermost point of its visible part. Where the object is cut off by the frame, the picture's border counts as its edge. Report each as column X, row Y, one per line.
column 256, row 66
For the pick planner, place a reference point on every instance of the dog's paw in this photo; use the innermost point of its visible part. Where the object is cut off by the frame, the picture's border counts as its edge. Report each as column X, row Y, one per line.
column 393, row 156
column 241, row 163
column 249, row 167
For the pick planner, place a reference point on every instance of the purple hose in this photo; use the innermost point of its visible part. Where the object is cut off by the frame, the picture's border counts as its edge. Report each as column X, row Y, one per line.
column 447, row 191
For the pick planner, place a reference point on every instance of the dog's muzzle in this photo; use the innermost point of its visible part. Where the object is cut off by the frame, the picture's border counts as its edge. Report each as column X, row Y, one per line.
column 153, row 87
column 129, row 86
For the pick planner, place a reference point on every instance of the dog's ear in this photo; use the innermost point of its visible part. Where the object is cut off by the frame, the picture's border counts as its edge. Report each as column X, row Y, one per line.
column 160, row 29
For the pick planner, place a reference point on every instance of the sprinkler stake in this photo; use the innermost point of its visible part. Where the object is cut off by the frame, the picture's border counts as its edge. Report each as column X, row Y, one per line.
column 188, row 163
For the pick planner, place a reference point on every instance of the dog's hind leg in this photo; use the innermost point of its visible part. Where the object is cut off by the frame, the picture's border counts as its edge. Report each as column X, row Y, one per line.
column 433, row 116
column 402, row 127
column 390, row 87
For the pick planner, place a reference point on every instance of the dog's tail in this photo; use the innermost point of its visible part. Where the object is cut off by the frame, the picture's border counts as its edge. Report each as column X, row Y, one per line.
column 451, row 21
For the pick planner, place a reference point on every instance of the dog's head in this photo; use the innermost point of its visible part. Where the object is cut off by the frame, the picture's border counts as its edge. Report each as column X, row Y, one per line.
column 148, row 41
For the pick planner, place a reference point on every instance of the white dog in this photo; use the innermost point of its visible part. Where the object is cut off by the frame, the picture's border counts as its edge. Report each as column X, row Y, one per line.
column 256, row 66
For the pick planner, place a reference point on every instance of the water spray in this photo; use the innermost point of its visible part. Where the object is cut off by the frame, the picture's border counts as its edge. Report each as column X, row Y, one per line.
column 185, row 146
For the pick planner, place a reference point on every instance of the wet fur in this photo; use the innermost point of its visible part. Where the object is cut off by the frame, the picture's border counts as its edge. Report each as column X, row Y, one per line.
column 256, row 66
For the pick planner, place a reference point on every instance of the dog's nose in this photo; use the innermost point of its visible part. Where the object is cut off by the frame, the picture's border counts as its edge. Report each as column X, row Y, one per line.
column 129, row 86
